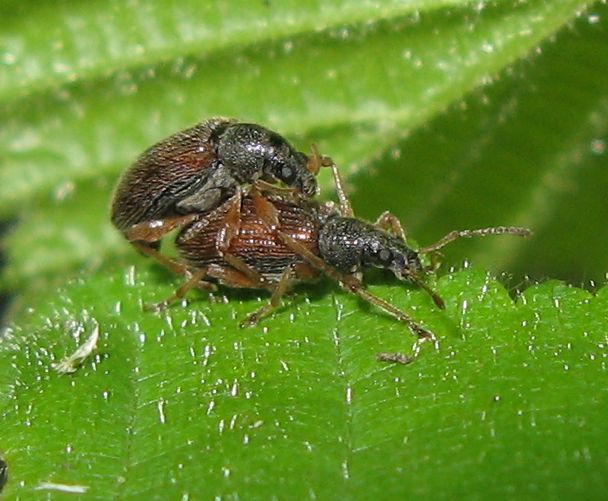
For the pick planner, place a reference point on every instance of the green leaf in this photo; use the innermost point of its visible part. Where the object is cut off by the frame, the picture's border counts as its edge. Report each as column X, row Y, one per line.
column 369, row 84
column 452, row 114
column 116, row 35
column 187, row 404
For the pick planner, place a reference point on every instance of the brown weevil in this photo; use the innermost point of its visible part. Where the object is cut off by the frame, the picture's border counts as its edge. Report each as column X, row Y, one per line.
column 271, row 241
column 193, row 171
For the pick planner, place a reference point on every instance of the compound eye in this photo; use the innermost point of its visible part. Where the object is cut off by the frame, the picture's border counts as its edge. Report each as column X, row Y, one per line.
column 287, row 175
column 385, row 256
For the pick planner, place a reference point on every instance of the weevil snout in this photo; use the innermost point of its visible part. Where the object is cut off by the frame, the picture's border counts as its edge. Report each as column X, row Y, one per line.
column 308, row 185
column 407, row 266
column 391, row 253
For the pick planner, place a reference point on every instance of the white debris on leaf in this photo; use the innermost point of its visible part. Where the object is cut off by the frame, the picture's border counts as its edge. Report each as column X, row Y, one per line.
column 70, row 364
column 67, row 488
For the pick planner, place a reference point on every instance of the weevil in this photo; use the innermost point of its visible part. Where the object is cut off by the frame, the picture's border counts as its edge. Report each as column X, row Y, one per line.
column 195, row 170
column 270, row 241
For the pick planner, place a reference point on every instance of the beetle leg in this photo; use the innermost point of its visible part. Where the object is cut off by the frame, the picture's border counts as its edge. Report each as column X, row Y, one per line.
column 196, row 280
column 255, row 278
column 483, row 232
column 229, row 230
column 275, row 299
column 346, row 209
column 388, row 221
column 315, row 162
column 304, row 272
column 231, row 224
column 401, row 358
column 145, row 238
column 265, row 210
column 355, row 286
column 232, row 277
column 261, row 185
column 170, row 264
column 153, row 231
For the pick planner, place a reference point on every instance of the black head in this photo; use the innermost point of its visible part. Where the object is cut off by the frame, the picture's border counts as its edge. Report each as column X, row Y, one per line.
column 350, row 244
column 388, row 252
column 252, row 152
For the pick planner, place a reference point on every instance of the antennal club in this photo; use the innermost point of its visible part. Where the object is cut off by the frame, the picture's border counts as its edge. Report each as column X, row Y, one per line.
column 434, row 296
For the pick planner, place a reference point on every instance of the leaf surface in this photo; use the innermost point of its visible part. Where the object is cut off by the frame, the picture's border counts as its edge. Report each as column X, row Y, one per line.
column 172, row 399
column 451, row 114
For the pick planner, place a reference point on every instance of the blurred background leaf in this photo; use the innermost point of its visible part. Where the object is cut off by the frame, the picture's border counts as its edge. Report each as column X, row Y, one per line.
column 452, row 114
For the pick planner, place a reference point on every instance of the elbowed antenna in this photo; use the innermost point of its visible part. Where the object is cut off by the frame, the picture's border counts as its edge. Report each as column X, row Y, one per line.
column 482, row 232
column 454, row 235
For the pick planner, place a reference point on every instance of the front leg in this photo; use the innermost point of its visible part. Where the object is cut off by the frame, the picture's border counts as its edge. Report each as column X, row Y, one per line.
column 346, row 208
column 265, row 210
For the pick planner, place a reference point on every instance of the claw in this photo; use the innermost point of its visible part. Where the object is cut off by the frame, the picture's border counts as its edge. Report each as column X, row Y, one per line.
column 249, row 321
column 156, row 307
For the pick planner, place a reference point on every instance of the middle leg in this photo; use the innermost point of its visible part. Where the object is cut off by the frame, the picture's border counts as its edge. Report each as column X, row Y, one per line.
column 388, row 221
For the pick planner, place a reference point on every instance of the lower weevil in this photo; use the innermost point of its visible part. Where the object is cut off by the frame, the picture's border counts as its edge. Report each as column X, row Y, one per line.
column 270, row 241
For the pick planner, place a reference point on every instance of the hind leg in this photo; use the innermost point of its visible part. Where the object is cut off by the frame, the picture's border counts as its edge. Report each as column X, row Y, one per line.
column 145, row 237
column 275, row 300
column 195, row 281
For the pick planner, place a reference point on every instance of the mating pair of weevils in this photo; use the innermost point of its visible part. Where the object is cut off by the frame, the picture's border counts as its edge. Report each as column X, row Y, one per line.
column 217, row 183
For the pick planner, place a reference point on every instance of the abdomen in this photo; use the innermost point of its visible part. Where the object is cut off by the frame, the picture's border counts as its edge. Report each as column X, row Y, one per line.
column 163, row 175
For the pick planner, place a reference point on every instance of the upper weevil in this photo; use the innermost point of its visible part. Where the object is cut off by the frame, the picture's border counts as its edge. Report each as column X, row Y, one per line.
column 193, row 171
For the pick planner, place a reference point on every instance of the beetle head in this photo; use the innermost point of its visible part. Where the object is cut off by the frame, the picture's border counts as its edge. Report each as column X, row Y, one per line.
column 291, row 168
column 388, row 252
column 251, row 151
column 350, row 244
